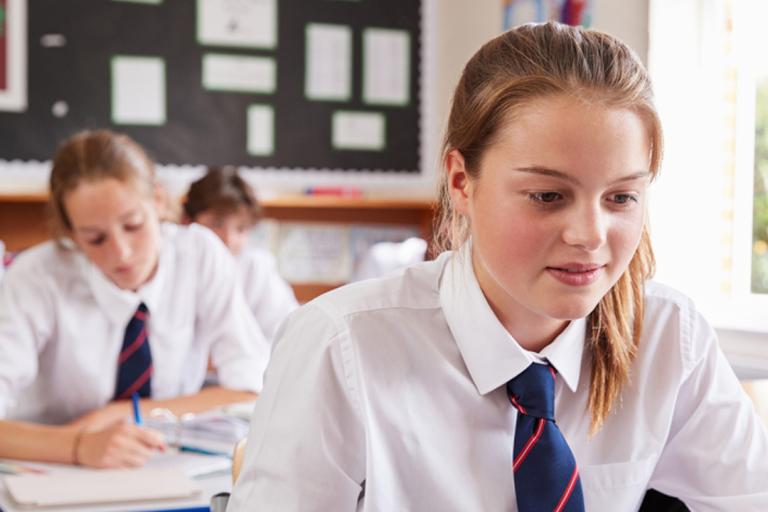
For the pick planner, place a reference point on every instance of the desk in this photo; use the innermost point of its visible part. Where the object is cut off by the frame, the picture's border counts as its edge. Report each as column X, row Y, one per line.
column 212, row 484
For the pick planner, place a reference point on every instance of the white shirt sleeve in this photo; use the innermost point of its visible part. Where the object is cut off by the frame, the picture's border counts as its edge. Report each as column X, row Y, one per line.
column 25, row 327
column 306, row 449
column 714, row 457
column 270, row 298
column 239, row 349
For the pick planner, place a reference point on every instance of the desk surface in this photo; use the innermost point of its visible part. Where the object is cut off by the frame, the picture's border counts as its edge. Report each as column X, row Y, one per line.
column 211, row 486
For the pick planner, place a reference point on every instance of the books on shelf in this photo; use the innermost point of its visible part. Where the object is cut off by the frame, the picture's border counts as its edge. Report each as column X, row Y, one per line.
column 318, row 252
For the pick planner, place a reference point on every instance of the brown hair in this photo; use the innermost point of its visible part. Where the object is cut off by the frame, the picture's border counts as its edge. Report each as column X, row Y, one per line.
column 223, row 190
column 528, row 63
column 93, row 156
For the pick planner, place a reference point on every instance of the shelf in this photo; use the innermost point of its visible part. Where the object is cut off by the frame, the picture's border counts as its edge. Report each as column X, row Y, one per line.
column 24, row 219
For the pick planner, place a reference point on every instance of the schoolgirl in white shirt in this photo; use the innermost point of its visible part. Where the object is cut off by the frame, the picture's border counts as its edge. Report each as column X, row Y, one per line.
column 222, row 201
column 68, row 358
column 533, row 367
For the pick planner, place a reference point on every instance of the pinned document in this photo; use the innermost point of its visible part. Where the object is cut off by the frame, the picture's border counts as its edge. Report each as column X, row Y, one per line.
column 245, row 23
column 138, row 90
column 386, row 67
column 328, row 74
column 358, row 130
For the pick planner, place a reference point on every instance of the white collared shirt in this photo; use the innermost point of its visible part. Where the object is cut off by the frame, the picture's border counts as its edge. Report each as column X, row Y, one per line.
column 399, row 383
column 270, row 298
column 62, row 323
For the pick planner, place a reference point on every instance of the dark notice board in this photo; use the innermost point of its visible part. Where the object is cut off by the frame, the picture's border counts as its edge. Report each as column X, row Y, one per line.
column 202, row 126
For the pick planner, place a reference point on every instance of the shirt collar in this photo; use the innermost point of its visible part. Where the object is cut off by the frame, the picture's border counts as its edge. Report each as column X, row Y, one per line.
column 491, row 354
column 118, row 304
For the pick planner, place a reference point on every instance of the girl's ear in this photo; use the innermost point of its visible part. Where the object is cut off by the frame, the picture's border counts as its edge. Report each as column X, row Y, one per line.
column 459, row 181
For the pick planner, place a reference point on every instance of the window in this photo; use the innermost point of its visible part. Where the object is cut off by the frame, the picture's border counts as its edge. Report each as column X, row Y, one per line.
column 760, row 189
column 709, row 211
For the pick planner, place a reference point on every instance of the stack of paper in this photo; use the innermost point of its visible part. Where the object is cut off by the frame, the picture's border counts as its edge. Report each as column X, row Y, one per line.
column 214, row 431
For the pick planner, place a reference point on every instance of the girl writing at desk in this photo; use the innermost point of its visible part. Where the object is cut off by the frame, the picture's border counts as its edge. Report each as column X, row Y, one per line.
column 534, row 366
column 120, row 304
column 223, row 202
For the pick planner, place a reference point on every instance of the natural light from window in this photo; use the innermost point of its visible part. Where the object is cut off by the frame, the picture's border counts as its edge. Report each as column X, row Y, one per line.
column 709, row 208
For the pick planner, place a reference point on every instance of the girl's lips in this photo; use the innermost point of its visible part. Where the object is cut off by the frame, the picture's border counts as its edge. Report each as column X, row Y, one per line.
column 576, row 274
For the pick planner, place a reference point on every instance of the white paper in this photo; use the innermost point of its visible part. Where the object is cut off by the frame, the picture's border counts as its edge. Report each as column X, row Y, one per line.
column 238, row 73
column 99, row 486
column 138, row 90
column 386, row 66
column 261, row 126
column 328, row 62
column 191, row 464
column 13, row 96
column 245, row 23
column 358, row 130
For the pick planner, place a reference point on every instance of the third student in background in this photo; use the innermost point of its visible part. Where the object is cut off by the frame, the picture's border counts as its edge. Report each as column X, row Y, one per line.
column 222, row 201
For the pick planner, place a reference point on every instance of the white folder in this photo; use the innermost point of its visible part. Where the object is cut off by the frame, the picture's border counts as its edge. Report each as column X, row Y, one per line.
column 99, row 486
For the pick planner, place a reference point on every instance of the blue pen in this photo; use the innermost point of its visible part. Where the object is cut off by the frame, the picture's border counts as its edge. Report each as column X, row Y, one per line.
column 136, row 409
column 202, row 451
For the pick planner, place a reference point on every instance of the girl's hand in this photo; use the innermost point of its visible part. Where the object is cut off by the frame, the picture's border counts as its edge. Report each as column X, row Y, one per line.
column 107, row 416
column 120, row 445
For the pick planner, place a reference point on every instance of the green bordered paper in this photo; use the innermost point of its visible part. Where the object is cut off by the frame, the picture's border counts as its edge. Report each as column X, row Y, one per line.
column 328, row 62
column 241, row 23
column 261, row 130
column 239, row 73
column 386, row 67
column 357, row 130
column 138, row 90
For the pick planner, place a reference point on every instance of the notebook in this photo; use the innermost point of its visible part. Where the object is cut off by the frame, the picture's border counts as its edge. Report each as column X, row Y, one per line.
column 91, row 487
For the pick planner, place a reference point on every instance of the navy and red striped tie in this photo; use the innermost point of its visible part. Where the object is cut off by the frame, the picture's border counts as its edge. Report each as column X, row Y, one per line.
column 545, row 471
column 134, row 371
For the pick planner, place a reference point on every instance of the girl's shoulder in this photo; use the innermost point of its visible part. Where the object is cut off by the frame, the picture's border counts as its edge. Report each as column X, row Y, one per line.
column 192, row 243
column 46, row 259
column 51, row 268
column 664, row 296
column 256, row 257
column 674, row 325
column 186, row 234
column 414, row 287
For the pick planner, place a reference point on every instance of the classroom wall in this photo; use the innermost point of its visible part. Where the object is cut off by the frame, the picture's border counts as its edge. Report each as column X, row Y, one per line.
column 457, row 28
column 462, row 27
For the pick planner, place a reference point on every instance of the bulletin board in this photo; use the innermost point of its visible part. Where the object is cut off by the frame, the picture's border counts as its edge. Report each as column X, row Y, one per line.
column 278, row 84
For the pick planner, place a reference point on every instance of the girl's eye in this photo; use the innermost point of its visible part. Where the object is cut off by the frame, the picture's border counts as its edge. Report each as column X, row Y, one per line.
column 133, row 227
column 545, row 197
column 96, row 241
column 624, row 198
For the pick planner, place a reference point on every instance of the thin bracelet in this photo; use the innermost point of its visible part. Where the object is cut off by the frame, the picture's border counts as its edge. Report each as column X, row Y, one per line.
column 76, row 446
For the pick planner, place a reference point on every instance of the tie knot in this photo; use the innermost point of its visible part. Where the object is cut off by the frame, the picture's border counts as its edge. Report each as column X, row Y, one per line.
column 533, row 391
column 141, row 312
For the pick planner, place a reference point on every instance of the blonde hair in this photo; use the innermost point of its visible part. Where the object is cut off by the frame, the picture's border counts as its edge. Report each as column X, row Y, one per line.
column 528, row 63
column 90, row 156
